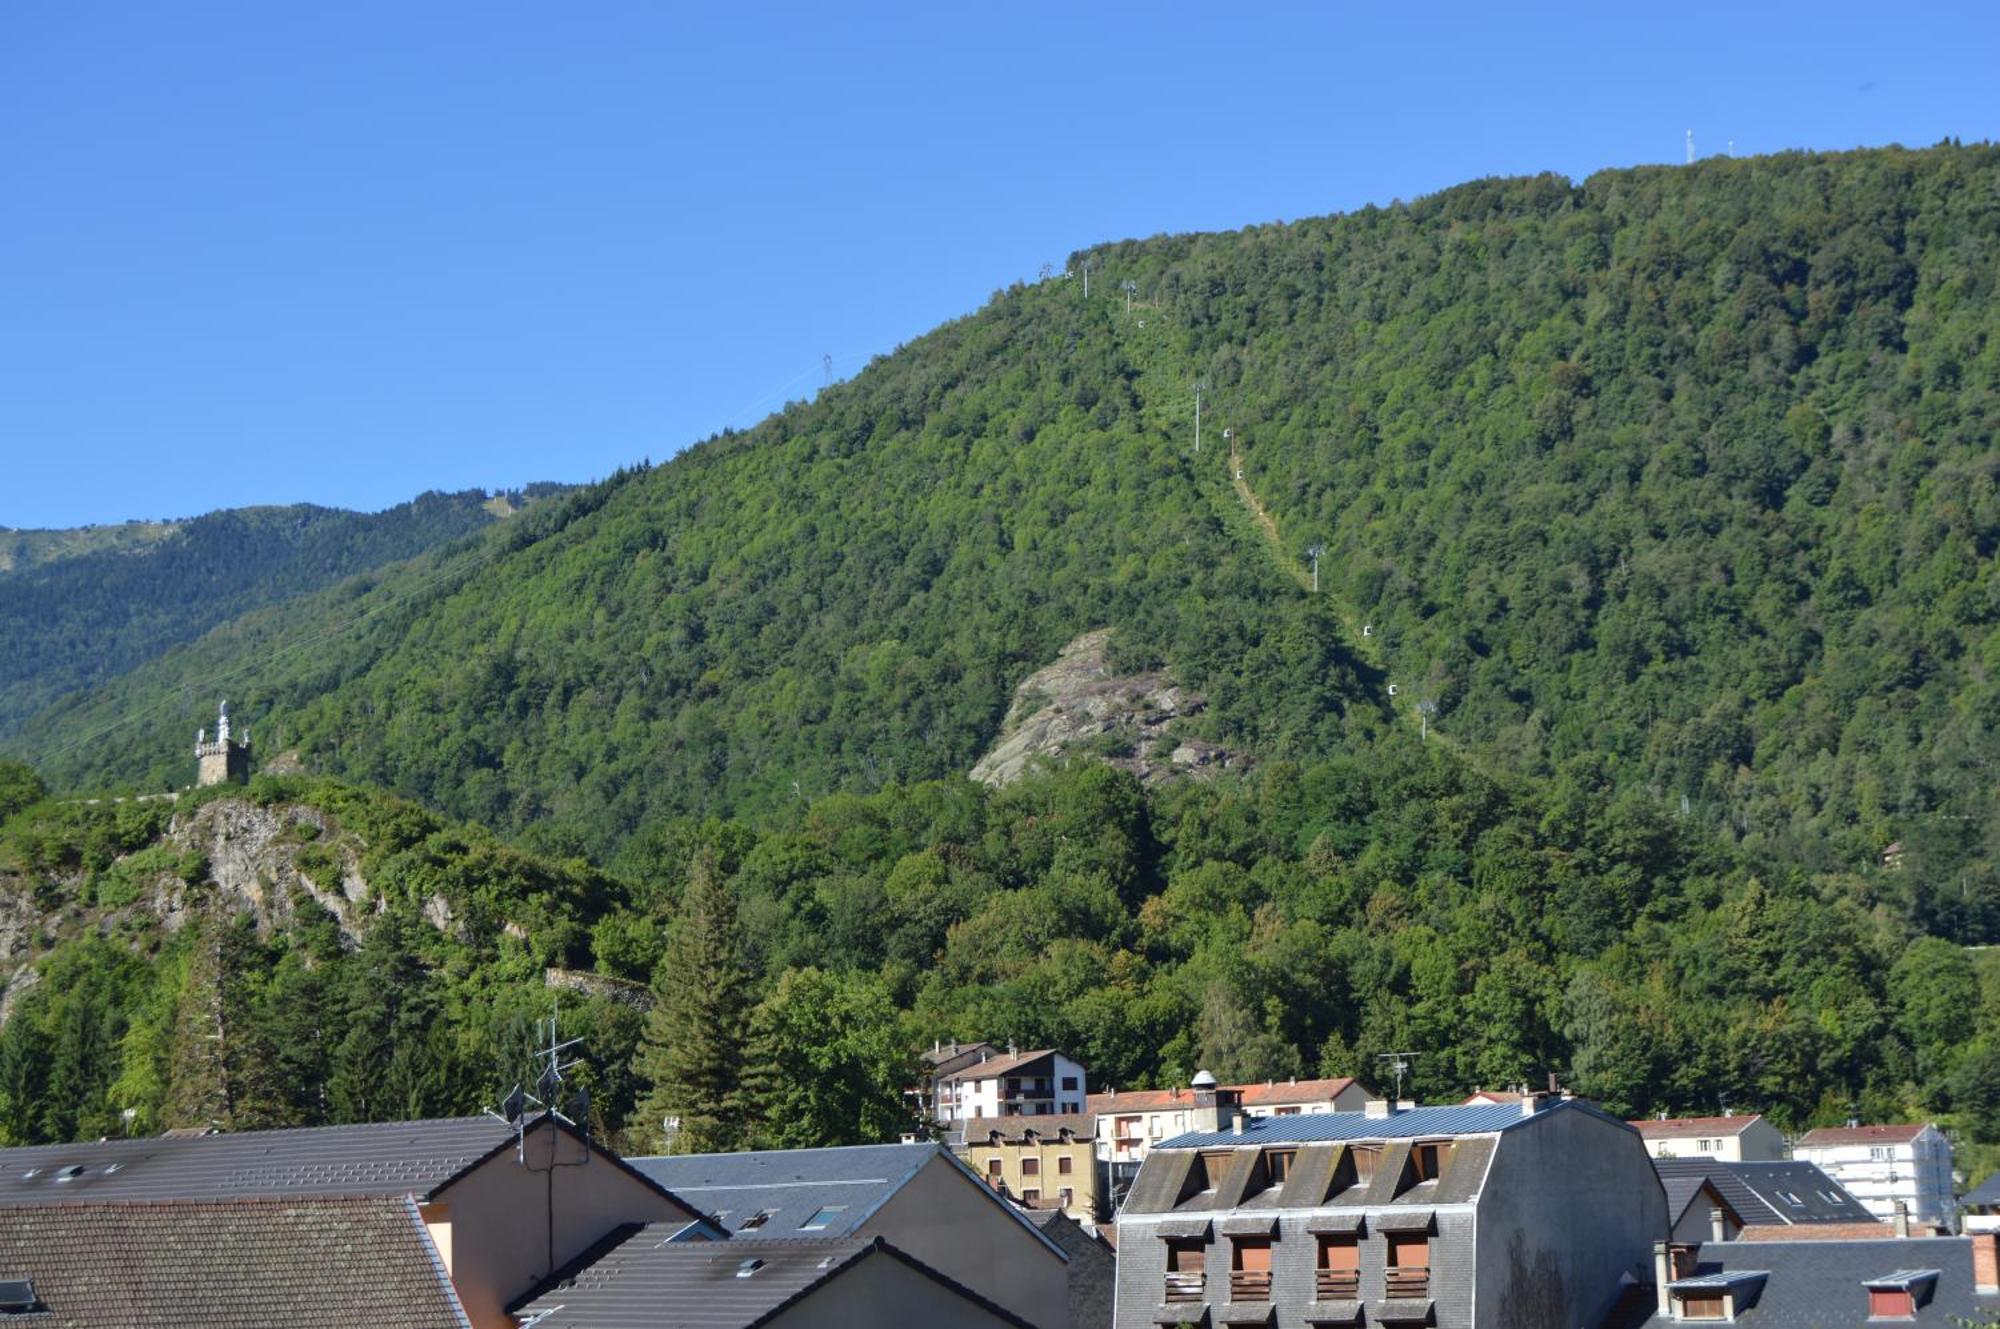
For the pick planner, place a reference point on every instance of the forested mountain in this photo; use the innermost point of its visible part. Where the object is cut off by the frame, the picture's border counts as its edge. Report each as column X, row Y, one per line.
column 1689, row 470
column 78, row 607
column 1664, row 502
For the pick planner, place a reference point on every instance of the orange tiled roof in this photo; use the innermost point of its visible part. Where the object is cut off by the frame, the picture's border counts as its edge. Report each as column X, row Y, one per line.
column 1838, row 1135
column 1677, row 1128
column 1253, row 1095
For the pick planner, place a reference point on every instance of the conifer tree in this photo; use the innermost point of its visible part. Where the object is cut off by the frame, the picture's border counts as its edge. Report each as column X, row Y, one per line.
column 692, row 1052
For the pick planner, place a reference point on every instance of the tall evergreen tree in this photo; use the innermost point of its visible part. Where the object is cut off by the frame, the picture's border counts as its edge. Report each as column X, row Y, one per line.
column 692, row 1052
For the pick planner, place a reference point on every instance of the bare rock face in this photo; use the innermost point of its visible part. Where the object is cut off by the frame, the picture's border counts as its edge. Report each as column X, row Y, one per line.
column 253, row 857
column 1079, row 706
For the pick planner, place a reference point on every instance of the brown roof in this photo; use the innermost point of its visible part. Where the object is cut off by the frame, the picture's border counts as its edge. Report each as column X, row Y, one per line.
column 229, row 1264
column 1838, row 1135
column 1829, row 1231
column 1681, row 1128
column 977, row 1129
column 1269, row 1094
column 992, row 1066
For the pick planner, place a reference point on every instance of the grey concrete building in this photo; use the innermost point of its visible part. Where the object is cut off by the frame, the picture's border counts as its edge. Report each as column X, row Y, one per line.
column 1528, row 1215
column 1093, row 1268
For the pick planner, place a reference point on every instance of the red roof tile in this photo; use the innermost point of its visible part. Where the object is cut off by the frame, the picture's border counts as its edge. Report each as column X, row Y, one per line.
column 1679, row 1128
column 1839, row 1135
column 1273, row 1094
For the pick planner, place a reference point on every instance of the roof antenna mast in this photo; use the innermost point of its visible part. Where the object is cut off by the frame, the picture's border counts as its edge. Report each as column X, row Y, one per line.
column 1400, row 1063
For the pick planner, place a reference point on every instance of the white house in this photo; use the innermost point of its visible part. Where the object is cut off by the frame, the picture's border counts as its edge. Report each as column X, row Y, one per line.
column 1010, row 1084
column 1883, row 1164
column 1726, row 1139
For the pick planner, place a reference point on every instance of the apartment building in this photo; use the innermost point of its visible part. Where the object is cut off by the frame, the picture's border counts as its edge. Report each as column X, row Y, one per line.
column 1132, row 1122
column 1538, row 1213
column 1009, row 1084
column 1884, row 1165
column 1728, row 1138
column 1038, row 1162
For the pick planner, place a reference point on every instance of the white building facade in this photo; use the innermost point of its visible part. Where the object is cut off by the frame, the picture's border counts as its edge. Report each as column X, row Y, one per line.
column 1728, row 1139
column 1882, row 1165
column 1011, row 1084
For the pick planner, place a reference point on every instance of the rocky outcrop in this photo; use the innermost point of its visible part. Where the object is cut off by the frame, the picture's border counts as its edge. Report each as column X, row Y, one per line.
column 1080, row 706
column 256, row 859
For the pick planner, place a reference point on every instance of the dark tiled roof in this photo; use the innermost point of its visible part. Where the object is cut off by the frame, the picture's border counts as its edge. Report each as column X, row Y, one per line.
column 1986, row 1192
column 1810, row 1284
column 792, row 1184
column 1760, row 1193
column 393, row 1158
column 235, row 1264
column 649, row 1281
column 1410, row 1124
column 1012, row 1063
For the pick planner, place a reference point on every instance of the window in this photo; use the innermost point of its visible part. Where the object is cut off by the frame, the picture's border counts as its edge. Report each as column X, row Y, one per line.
column 1880, row 1154
column 1031, row 1166
column 1409, row 1270
column 1364, row 1161
column 1278, row 1163
column 1031, row 1197
column 992, row 1167
column 757, row 1220
column 1065, row 1198
column 822, row 1218
column 1069, row 1082
column 1706, row 1146
column 1187, row 1274
column 1891, row 1303
column 1126, row 1128
column 1065, row 1165
column 1250, row 1269
column 1703, row 1306
column 1292, row 1111
column 1339, row 1267
column 1428, row 1160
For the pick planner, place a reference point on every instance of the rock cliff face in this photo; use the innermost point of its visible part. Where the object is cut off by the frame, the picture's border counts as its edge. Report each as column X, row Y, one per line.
column 1079, row 706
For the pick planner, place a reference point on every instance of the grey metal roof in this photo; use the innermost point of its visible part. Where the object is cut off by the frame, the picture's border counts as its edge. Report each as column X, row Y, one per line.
column 1769, row 1193
column 1986, row 1193
column 391, row 1158
column 1410, row 1124
column 790, row 1186
column 649, row 1281
column 1811, row 1284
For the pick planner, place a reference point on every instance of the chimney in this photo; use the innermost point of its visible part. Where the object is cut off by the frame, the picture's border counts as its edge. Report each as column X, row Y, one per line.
column 1986, row 1263
column 1379, row 1107
column 1662, row 1275
column 1206, row 1114
column 1236, row 1121
column 1716, row 1230
column 1902, row 1219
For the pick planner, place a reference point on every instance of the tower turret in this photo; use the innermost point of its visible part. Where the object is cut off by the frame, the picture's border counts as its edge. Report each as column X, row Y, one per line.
column 225, row 760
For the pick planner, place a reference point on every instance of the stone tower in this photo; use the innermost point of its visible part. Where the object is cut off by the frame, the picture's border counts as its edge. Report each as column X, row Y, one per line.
column 224, row 761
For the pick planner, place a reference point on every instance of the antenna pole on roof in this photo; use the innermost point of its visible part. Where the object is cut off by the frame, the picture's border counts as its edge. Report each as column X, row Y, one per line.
column 1400, row 1063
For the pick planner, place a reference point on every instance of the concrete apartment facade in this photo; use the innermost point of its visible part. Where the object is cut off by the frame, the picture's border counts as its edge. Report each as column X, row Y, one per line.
column 1503, row 1216
column 1886, row 1165
column 1728, row 1139
column 1038, row 1162
column 1044, row 1083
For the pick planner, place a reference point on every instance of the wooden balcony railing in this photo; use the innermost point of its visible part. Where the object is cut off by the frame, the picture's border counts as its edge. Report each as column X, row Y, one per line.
column 1409, row 1282
column 1339, row 1284
column 1249, row 1285
column 1185, row 1287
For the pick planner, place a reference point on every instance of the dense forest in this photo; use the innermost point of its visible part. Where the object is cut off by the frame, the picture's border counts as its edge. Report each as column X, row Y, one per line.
column 79, row 607
column 1302, row 920
column 1657, row 601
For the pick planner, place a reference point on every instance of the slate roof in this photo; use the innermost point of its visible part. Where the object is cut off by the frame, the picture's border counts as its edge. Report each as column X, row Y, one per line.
column 393, row 1158
column 232, row 1264
column 792, row 1185
column 1810, row 1284
column 648, row 1281
column 1985, row 1193
column 1788, row 1193
column 1688, row 1128
column 1413, row 1123
column 1835, row 1136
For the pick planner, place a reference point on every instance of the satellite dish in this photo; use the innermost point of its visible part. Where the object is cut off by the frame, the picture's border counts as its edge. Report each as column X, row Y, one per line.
column 514, row 1105
column 1392, row 689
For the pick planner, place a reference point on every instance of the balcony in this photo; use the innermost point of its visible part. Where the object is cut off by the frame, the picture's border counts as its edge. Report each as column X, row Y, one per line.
column 1249, row 1285
column 1185, row 1287
column 1338, row 1285
column 1408, row 1282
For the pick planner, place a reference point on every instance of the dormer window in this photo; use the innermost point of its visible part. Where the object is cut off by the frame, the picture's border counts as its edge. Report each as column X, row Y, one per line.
column 1278, row 1164
column 1897, row 1296
column 1365, row 1157
column 1428, row 1160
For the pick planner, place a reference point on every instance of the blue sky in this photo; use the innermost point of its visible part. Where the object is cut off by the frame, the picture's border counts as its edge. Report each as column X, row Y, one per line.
column 263, row 253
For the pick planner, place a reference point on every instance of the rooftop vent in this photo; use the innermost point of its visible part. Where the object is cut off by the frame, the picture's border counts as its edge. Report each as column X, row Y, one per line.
column 17, row 1297
column 749, row 1267
column 1202, row 1080
column 70, row 1173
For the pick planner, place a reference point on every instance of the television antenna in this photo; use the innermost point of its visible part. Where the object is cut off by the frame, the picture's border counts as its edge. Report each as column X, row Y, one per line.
column 1400, row 1063
column 1425, row 710
column 1086, row 279
column 1200, row 386
column 1128, row 287
column 827, row 360
column 1313, row 552
column 547, row 1096
column 1690, row 147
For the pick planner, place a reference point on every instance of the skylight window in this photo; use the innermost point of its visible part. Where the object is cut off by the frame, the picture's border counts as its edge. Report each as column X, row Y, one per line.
column 70, row 1173
column 822, row 1218
column 749, row 1267
column 17, row 1297
column 757, row 1220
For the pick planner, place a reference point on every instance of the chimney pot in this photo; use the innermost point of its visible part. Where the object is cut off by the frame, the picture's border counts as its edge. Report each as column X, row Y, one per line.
column 1902, row 1219
column 1378, row 1107
column 1716, row 1230
column 1662, row 1275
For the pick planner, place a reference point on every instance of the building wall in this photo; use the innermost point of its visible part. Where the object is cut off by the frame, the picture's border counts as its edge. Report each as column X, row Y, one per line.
column 1093, row 1273
column 950, row 1222
column 498, row 1243
column 1157, row 1124
column 1048, row 1180
column 1571, row 1204
column 1917, row 1173
column 1758, row 1142
column 882, row 1290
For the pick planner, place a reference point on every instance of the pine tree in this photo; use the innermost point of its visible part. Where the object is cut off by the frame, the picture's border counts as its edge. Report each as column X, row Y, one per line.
column 692, row 1052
